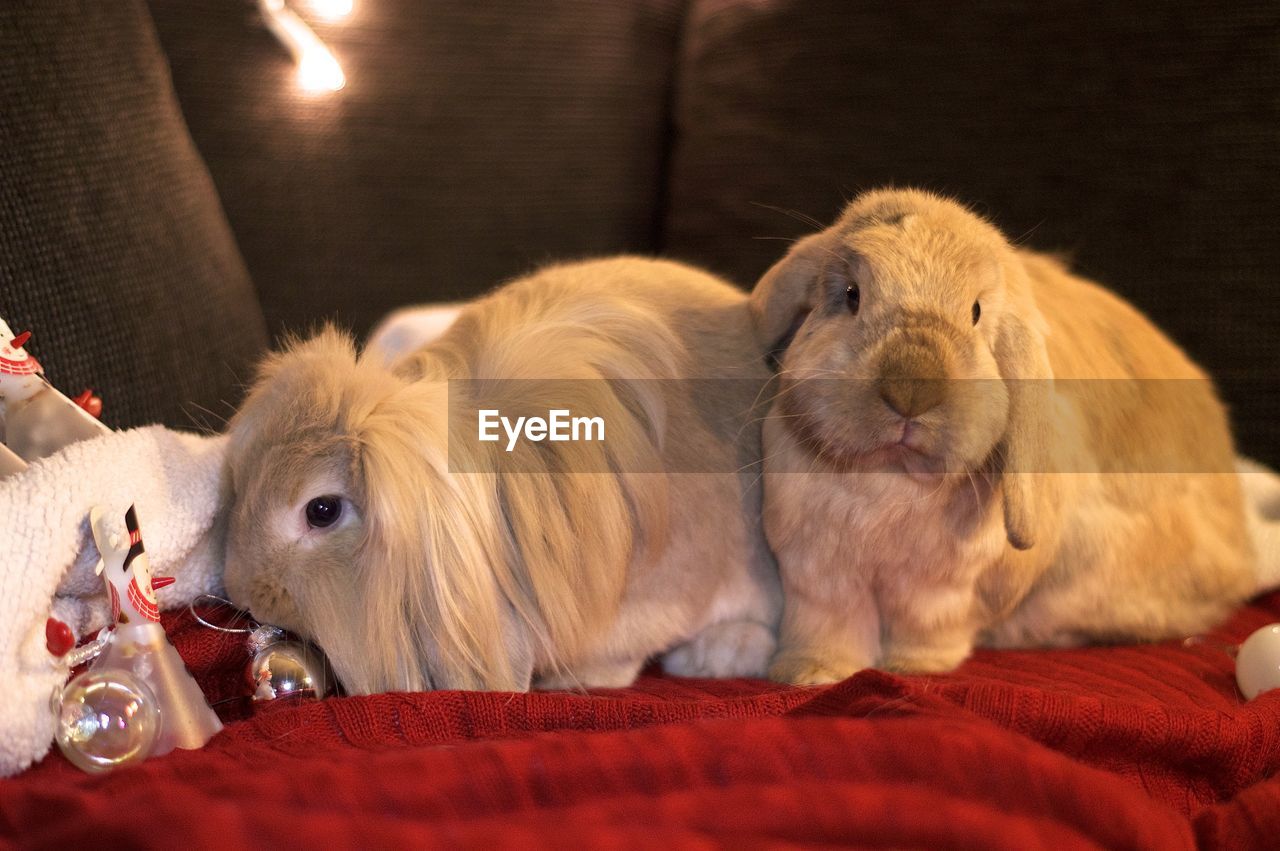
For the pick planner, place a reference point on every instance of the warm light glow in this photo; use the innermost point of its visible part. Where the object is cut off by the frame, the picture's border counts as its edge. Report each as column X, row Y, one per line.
column 330, row 10
column 318, row 71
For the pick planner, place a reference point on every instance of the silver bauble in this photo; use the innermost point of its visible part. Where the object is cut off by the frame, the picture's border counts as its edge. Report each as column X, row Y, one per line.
column 290, row 669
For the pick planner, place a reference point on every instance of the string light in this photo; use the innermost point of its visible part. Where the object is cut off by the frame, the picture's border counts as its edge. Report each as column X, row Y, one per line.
column 330, row 10
column 318, row 69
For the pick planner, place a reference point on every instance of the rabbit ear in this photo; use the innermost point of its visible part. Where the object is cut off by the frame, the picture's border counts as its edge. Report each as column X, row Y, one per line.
column 1024, row 366
column 786, row 293
column 434, row 613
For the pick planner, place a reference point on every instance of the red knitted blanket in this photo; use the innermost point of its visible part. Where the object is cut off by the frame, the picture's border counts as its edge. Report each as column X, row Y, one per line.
column 1112, row 747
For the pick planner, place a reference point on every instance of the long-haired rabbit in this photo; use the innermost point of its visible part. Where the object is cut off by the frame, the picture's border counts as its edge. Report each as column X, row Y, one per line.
column 369, row 515
column 972, row 444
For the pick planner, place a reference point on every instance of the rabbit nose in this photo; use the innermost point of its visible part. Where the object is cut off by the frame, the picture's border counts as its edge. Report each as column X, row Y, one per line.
column 911, row 397
column 912, row 381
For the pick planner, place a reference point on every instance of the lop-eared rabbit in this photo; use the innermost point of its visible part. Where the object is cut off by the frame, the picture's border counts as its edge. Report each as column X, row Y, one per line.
column 971, row 444
column 367, row 514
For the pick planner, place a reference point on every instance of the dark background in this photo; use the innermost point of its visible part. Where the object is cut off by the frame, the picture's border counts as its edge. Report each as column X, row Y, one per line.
column 475, row 141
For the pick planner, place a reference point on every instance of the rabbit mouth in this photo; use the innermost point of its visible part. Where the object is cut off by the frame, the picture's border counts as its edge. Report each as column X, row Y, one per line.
column 849, row 443
column 894, row 459
column 906, row 448
column 902, row 452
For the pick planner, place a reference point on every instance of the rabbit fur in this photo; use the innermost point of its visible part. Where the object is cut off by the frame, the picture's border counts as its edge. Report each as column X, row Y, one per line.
column 971, row 444
column 455, row 564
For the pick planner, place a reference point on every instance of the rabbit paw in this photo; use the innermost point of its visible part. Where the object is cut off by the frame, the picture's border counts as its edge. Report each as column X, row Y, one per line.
column 926, row 659
column 810, row 671
column 728, row 649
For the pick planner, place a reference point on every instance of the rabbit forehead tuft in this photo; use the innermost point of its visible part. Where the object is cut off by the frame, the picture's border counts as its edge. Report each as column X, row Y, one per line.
column 928, row 259
column 310, row 401
column 922, row 250
column 319, row 378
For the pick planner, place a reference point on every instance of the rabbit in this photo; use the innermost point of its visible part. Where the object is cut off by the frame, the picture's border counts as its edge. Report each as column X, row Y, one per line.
column 947, row 463
column 366, row 514
column 408, row 329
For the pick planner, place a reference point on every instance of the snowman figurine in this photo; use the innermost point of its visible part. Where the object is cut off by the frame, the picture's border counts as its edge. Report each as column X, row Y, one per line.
column 137, row 642
column 19, row 371
column 21, row 375
column 37, row 419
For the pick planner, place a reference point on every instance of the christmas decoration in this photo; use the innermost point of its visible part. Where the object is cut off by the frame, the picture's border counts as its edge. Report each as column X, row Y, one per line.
column 107, row 719
column 37, row 419
column 1258, row 662
column 280, row 667
column 289, row 669
column 137, row 699
column 318, row 70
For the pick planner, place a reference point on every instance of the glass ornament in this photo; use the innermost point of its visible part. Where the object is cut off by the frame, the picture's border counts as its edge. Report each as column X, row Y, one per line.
column 289, row 669
column 106, row 719
column 1258, row 662
column 279, row 666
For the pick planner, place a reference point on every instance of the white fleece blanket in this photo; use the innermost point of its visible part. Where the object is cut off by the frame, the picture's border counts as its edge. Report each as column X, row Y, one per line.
column 47, row 555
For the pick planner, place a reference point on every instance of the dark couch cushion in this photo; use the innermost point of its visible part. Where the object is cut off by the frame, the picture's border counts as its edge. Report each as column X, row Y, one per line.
column 113, row 248
column 472, row 142
column 1143, row 138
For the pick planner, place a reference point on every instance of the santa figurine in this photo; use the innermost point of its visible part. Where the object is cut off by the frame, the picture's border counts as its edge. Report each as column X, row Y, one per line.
column 137, row 642
column 37, row 419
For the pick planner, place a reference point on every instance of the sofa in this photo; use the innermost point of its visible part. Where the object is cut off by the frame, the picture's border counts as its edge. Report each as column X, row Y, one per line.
column 172, row 204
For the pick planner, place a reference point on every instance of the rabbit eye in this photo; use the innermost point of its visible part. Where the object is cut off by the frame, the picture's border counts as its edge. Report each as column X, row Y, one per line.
column 854, row 298
column 977, row 311
column 323, row 511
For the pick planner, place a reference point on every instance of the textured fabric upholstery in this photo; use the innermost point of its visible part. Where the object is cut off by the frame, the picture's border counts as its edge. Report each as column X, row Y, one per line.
column 1142, row 138
column 472, row 142
column 113, row 247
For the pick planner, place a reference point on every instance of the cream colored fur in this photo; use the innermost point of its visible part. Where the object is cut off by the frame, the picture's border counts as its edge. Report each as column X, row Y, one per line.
column 1029, row 502
column 457, row 565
